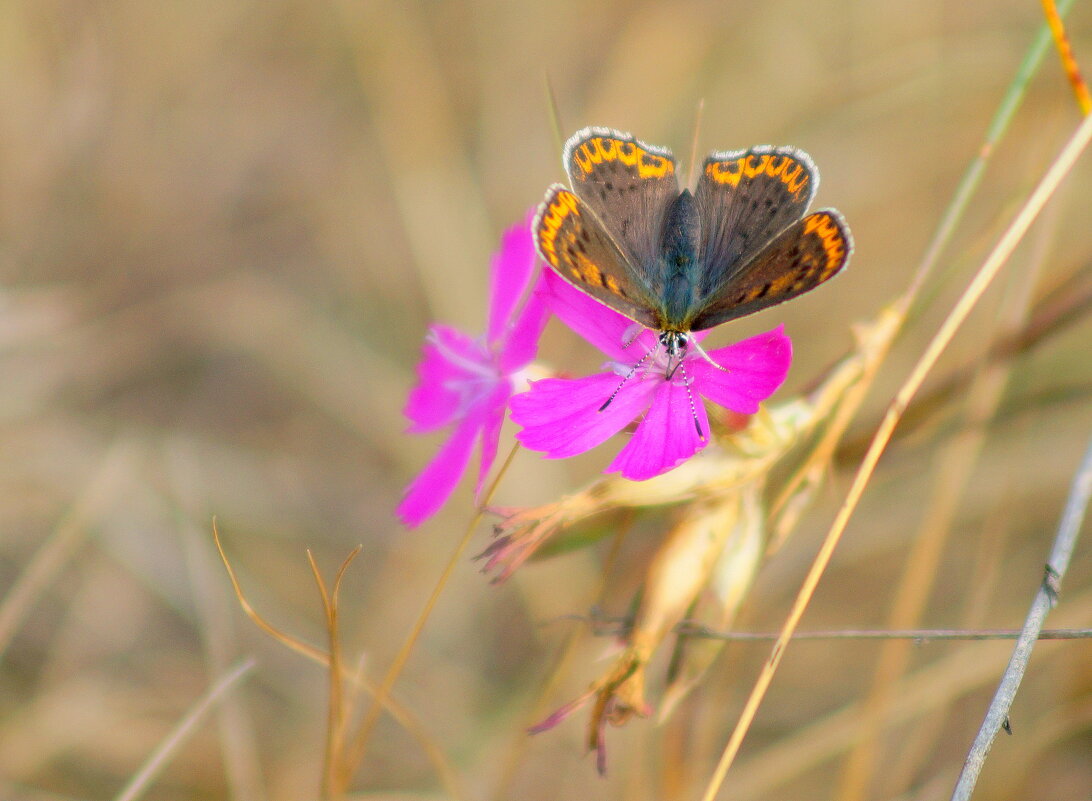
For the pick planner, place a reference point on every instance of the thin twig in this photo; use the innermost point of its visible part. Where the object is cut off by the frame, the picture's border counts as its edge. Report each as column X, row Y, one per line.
column 1045, row 599
column 292, row 643
column 602, row 626
column 694, row 142
column 918, row 635
column 938, row 685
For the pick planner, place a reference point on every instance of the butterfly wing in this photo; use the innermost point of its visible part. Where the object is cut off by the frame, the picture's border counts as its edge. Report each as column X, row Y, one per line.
column 801, row 257
column 744, row 199
column 571, row 239
column 628, row 184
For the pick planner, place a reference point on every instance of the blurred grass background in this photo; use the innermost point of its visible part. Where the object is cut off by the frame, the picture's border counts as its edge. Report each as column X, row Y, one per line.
column 223, row 230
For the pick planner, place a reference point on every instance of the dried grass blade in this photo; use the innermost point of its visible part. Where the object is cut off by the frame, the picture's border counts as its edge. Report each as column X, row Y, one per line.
column 967, row 301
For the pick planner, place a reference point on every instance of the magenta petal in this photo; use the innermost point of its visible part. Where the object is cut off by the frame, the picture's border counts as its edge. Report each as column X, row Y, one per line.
column 754, row 369
column 521, row 345
column 561, row 417
column 436, row 400
column 513, row 267
column 495, row 406
column 601, row 326
column 434, row 485
column 666, row 437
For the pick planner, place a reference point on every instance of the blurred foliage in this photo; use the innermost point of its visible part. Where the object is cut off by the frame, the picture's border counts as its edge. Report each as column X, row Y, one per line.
column 223, row 230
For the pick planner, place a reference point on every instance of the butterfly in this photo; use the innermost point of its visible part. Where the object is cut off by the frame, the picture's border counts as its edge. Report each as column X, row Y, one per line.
column 680, row 262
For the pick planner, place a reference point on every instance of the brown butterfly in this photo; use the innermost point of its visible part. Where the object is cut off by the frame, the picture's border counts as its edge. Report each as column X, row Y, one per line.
column 678, row 261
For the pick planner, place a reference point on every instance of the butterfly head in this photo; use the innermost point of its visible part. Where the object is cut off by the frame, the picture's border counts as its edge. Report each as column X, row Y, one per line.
column 674, row 343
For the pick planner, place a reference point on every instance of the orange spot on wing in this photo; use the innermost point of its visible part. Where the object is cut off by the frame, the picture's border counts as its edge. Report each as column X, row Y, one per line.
column 650, row 166
column 725, row 172
column 757, row 169
column 608, row 148
column 589, row 273
column 600, row 149
column 562, row 206
column 776, row 166
column 785, row 168
column 834, row 244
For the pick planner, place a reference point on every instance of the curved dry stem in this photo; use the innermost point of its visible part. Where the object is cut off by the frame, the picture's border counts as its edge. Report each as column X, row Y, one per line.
column 401, row 715
column 335, row 721
column 554, row 115
column 290, row 642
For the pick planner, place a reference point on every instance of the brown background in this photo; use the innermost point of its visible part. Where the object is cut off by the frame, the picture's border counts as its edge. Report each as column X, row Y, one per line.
column 224, row 228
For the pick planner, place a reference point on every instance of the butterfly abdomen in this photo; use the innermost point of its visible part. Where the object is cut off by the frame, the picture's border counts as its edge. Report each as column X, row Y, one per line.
column 678, row 255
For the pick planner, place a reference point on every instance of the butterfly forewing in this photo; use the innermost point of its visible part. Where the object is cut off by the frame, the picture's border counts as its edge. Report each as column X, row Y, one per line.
column 803, row 256
column 745, row 198
column 624, row 234
column 628, row 184
column 571, row 239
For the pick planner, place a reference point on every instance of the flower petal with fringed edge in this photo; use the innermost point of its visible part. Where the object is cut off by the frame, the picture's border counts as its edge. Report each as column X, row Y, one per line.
column 564, row 417
column 466, row 382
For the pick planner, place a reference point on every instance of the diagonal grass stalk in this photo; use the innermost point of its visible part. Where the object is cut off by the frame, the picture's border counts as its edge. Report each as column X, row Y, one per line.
column 984, row 277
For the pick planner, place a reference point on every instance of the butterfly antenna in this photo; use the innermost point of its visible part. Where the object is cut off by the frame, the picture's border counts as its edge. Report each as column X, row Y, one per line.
column 555, row 115
column 625, row 378
column 694, row 141
column 690, row 397
column 707, row 357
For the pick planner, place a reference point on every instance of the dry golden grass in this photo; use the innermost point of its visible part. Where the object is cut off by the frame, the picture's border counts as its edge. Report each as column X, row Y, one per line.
column 223, row 230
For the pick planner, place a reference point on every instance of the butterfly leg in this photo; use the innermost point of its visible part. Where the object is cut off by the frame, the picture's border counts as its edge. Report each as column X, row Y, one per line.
column 709, row 358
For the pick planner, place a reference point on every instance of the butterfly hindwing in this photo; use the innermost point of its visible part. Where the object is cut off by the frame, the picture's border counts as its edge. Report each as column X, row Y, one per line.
column 628, row 184
column 571, row 239
column 804, row 255
column 745, row 198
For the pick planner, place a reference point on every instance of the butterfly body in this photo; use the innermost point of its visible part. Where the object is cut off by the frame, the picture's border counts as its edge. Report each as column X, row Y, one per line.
column 681, row 261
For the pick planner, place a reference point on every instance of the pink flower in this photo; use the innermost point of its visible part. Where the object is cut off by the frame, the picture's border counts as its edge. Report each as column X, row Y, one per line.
column 466, row 382
column 563, row 417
